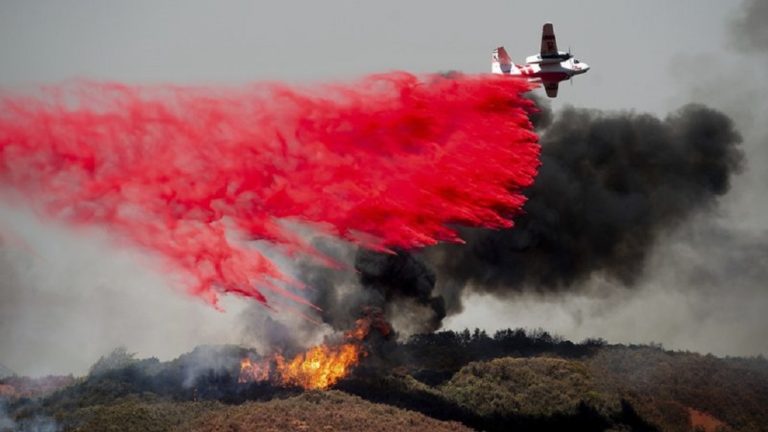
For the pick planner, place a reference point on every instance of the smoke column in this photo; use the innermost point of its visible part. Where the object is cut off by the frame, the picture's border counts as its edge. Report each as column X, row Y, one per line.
column 197, row 175
column 611, row 184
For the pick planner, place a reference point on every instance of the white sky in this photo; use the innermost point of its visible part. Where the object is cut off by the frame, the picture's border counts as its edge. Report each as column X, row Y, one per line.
column 631, row 45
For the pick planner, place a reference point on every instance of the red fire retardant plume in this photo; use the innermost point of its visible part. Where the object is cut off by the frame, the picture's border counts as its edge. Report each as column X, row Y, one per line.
column 195, row 174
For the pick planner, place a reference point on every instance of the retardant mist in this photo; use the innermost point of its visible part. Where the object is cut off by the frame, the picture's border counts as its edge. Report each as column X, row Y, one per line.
column 196, row 175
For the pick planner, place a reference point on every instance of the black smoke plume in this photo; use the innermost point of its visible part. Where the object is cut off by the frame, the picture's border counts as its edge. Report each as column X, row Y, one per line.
column 610, row 184
column 399, row 284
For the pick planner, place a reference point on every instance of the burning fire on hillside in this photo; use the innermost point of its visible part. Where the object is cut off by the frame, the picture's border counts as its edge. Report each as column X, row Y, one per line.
column 321, row 366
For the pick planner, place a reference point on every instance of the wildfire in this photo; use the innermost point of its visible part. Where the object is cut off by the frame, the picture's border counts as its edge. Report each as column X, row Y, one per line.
column 321, row 366
column 318, row 368
column 250, row 371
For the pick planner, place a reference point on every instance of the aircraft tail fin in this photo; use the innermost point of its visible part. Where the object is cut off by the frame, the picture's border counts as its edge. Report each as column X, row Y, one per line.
column 501, row 62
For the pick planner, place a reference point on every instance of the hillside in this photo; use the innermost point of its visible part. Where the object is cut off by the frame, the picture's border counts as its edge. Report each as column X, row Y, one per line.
column 138, row 414
column 321, row 411
column 513, row 380
column 665, row 386
column 532, row 387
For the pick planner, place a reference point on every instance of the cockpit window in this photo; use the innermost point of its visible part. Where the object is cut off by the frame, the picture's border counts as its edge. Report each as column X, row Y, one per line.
column 575, row 61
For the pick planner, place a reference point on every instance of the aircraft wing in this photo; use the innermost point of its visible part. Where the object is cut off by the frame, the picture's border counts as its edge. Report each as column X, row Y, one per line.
column 548, row 42
column 551, row 88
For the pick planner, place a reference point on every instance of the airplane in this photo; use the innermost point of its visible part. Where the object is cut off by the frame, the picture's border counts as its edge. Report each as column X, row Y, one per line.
column 548, row 67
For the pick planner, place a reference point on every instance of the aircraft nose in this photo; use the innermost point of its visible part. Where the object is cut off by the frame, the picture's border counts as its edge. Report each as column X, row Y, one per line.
column 584, row 67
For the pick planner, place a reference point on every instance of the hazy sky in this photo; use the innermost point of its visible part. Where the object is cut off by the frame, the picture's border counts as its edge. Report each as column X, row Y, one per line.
column 631, row 45
column 75, row 297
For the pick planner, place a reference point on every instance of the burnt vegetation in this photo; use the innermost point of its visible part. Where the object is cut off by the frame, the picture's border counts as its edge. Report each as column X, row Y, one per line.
column 511, row 380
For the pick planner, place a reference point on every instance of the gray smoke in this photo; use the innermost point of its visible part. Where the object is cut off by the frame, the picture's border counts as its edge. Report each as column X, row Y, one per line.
column 6, row 423
column 398, row 284
column 748, row 30
column 68, row 297
column 5, row 372
column 30, row 424
column 404, row 285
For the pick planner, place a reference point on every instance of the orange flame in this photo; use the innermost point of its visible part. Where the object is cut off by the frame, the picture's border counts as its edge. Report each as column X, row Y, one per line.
column 318, row 368
column 250, row 371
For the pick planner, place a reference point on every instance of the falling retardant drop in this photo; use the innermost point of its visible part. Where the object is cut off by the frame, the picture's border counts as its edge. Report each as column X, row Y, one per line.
column 195, row 175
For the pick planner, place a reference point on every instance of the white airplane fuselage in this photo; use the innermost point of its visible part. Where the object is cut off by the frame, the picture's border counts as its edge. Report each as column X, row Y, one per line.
column 549, row 67
column 547, row 70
